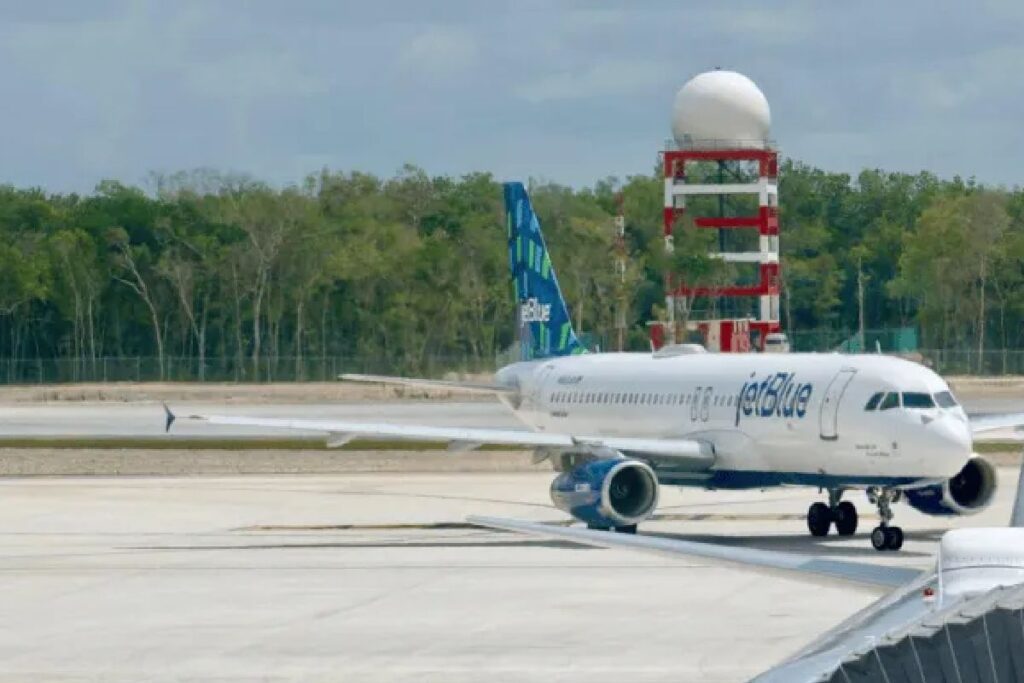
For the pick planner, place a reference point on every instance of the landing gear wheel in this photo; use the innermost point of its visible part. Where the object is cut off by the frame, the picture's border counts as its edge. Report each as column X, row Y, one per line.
column 819, row 519
column 628, row 529
column 887, row 538
column 845, row 517
column 895, row 538
column 879, row 538
column 596, row 527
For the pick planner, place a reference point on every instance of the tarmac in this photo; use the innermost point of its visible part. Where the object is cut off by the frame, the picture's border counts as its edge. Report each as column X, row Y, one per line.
column 362, row 567
column 375, row 577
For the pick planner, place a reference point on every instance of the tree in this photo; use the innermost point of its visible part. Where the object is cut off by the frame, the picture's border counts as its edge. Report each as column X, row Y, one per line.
column 135, row 265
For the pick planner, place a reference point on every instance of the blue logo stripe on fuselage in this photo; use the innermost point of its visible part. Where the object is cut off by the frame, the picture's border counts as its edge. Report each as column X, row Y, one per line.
column 777, row 395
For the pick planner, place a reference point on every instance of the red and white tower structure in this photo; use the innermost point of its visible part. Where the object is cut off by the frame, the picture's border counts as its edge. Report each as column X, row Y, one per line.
column 723, row 118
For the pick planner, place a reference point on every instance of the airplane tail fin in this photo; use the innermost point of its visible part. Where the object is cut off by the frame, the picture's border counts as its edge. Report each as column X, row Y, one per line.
column 545, row 329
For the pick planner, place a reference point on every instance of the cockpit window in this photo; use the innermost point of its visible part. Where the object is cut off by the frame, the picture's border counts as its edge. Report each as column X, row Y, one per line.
column 874, row 400
column 891, row 400
column 945, row 399
column 916, row 400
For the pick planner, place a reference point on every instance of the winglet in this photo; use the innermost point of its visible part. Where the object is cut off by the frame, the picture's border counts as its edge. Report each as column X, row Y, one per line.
column 171, row 417
column 1017, row 518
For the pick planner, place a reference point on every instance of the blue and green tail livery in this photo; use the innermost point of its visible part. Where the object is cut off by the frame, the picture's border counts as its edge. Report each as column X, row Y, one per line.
column 542, row 317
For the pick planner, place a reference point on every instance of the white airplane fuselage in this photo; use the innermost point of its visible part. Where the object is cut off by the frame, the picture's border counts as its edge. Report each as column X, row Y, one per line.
column 772, row 419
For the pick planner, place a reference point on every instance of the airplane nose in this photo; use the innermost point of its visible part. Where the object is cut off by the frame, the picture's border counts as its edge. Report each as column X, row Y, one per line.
column 952, row 443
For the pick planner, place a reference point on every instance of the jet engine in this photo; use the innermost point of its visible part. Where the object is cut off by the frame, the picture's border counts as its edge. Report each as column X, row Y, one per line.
column 970, row 491
column 610, row 492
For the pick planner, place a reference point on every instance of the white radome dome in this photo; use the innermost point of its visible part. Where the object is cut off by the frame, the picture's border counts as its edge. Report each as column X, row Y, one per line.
column 718, row 109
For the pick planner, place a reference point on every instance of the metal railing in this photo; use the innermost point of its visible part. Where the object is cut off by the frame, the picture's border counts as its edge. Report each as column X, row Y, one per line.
column 673, row 145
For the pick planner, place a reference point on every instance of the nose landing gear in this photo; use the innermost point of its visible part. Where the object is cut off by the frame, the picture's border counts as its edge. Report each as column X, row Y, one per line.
column 821, row 516
column 883, row 536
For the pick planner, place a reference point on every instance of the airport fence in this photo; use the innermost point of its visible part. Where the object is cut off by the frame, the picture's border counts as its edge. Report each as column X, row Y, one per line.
column 971, row 362
column 327, row 368
column 193, row 369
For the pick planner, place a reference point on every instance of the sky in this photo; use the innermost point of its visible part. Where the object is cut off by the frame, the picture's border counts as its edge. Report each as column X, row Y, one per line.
column 564, row 91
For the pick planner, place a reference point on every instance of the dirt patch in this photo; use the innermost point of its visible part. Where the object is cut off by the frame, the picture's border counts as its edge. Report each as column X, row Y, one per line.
column 987, row 387
column 341, row 392
column 285, row 392
column 105, row 461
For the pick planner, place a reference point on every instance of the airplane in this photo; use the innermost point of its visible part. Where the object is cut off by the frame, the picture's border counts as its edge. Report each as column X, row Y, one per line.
column 618, row 426
column 961, row 621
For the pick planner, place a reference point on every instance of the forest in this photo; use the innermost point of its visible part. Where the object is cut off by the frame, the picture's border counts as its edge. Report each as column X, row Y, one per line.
column 204, row 275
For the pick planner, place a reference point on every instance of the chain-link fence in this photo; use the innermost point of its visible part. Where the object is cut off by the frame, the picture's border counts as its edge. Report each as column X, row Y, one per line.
column 327, row 368
column 971, row 362
column 192, row 369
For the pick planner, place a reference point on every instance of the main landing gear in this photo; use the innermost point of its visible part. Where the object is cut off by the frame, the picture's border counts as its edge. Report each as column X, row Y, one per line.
column 883, row 536
column 821, row 516
column 843, row 514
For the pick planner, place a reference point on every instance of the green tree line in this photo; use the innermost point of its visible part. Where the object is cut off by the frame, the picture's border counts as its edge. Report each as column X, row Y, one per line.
column 413, row 268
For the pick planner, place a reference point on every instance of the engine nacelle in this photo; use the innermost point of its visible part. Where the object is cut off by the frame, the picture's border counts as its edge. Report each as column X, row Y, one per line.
column 970, row 491
column 611, row 492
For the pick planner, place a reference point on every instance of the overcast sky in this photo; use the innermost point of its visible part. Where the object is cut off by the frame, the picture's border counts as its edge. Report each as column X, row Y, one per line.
column 565, row 91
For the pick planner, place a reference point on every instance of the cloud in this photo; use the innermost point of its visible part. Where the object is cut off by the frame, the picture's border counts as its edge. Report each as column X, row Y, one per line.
column 254, row 75
column 774, row 24
column 599, row 80
column 114, row 88
column 956, row 84
column 441, row 53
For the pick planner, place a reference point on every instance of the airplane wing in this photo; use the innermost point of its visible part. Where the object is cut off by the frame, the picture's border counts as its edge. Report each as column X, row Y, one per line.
column 982, row 426
column 871, row 576
column 463, row 387
column 699, row 454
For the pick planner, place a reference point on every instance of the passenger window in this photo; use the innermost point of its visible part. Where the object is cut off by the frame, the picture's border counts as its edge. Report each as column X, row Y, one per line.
column 945, row 399
column 891, row 400
column 873, row 401
column 917, row 400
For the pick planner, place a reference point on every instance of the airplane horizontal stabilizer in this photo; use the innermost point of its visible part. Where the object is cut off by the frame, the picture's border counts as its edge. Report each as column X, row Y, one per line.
column 433, row 384
column 982, row 426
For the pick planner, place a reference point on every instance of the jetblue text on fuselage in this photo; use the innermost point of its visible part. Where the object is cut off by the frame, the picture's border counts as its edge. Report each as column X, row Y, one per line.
column 532, row 311
column 775, row 395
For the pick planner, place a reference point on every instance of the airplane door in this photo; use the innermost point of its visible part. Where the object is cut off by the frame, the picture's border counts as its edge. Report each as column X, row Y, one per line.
column 540, row 379
column 830, row 403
